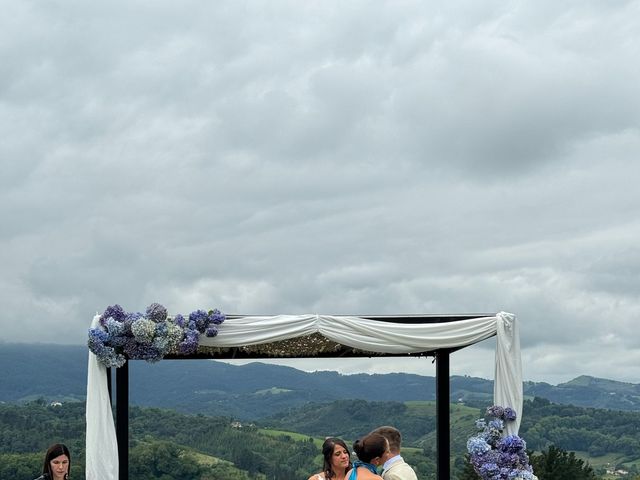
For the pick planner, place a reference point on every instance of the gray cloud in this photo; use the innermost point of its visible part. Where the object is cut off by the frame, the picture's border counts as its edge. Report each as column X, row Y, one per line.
column 293, row 158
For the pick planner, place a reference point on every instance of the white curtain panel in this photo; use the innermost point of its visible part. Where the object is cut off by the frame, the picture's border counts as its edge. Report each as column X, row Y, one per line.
column 101, row 452
column 356, row 332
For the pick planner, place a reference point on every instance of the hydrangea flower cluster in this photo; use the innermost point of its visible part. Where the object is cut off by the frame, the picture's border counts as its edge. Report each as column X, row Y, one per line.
column 498, row 457
column 150, row 335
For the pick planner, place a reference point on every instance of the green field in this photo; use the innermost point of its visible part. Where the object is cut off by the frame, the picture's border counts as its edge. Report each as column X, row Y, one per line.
column 293, row 435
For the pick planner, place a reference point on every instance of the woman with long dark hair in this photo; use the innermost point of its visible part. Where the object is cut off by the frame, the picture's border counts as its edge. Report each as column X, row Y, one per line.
column 336, row 460
column 57, row 462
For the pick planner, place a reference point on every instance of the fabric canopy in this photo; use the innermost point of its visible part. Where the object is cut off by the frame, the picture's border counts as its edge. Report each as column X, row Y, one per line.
column 360, row 333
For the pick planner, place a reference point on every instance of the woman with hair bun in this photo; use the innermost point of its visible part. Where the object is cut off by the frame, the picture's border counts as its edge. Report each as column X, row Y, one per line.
column 57, row 462
column 371, row 450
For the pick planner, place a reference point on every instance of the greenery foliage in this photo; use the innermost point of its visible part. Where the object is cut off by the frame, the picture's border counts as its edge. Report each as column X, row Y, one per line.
column 166, row 444
column 581, row 429
column 558, row 464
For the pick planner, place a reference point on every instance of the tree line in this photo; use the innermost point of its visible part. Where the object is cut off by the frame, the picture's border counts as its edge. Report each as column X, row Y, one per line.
column 165, row 444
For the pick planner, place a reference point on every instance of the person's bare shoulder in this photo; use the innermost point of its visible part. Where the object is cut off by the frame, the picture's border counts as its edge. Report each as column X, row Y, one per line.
column 317, row 476
column 364, row 474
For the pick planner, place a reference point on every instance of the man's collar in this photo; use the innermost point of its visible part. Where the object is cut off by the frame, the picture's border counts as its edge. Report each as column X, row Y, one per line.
column 391, row 461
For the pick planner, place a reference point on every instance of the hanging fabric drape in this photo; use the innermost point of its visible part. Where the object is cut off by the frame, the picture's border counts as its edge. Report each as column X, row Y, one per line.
column 360, row 333
column 101, row 452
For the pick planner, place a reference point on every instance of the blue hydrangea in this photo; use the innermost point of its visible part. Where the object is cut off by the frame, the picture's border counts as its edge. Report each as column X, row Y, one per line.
column 495, row 457
column 114, row 327
column 489, row 469
column 496, row 424
column 477, row 446
column 161, row 329
column 526, row 475
column 97, row 336
column 105, row 354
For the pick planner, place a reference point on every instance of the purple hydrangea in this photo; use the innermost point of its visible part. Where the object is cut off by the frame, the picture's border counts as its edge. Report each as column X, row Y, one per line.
column 509, row 414
column 495, row 411
column 114, row 311
column 488, row 470
column 189, row 345
column 142, row 351
column 216, row 317
column 201, row 320
column 179, row 320
column 512, row 443
column 211, row 331
column 156, row 313
column 131, row 318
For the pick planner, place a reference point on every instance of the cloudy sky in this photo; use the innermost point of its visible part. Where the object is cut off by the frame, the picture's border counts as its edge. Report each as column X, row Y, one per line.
column 332, row 157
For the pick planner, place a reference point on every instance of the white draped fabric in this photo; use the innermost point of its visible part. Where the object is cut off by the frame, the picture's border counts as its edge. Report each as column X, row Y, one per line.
column 355, row 332
column 101, row 447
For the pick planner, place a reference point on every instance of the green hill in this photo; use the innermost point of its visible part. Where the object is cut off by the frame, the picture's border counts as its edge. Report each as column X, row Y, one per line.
column 259, row 390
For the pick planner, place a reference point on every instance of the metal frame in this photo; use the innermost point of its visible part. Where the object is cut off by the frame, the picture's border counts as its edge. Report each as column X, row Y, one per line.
column 443, row 393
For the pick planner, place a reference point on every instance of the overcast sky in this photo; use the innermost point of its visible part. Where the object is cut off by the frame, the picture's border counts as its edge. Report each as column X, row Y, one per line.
column 327, row 157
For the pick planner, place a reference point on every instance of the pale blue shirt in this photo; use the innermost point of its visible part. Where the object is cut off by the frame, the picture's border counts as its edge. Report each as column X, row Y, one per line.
column 391, row 461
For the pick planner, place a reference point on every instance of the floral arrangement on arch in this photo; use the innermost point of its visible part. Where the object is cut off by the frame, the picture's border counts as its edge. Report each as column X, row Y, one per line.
column 498, row 457
column 149, row 336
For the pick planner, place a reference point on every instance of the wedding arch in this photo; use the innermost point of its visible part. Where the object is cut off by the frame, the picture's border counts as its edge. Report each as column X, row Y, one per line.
column 304, row 336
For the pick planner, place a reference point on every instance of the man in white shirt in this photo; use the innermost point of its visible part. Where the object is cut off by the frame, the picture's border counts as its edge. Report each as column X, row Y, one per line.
column 394, row 468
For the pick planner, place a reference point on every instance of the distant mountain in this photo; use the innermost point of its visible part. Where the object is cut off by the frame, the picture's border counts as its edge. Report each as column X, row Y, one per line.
column 586, row 391
column 257, row 390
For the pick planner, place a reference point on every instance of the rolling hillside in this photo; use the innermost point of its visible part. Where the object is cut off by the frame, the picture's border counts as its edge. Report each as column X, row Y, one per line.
column 257, row 390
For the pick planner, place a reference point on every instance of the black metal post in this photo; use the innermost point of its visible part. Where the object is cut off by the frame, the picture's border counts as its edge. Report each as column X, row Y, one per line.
column 122, row 420
column 443, row 422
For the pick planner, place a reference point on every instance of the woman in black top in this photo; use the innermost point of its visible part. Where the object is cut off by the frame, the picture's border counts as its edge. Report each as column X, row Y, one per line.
column 56, row 463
